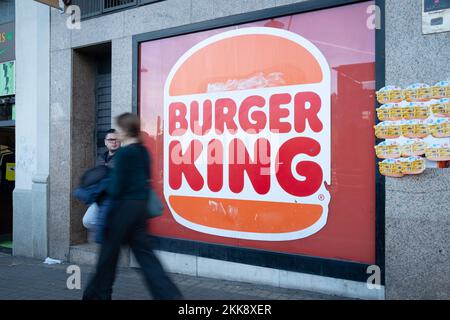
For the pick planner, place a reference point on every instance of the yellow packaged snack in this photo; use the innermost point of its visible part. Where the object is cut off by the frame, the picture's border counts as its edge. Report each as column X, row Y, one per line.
column 413, row 165
column 414, row 129
column 391, row 168
column 441, row 107
column 421, row 111
column 383, row 112
column 441, row 90
column 415, row 110
column 418, row 92
column 439, row 128
column 395, row 112
column 408, row 111
column 390, row 111
column 413, row 147
column 389, row 94
column 388, row 149
column 387, row 130
column 438, row 152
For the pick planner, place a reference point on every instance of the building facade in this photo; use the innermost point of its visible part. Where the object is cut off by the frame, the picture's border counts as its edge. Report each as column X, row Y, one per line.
column 150, row 56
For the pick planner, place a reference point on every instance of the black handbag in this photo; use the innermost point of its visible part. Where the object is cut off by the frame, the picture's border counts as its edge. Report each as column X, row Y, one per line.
column 155, row 208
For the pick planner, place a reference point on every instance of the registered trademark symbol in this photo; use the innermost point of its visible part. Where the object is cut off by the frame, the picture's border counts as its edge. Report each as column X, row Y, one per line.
column 321, row 197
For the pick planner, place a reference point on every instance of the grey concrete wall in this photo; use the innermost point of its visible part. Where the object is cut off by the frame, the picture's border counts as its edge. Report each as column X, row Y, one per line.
column 417, row 208
column 39, row 210
column 22, row 223
column 122, row 72
column 32, row 132
column 60, row 153
column 412, row 57
column 417, row 236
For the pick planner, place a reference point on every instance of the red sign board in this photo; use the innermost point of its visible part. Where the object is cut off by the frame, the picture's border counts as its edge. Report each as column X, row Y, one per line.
column 261, row 134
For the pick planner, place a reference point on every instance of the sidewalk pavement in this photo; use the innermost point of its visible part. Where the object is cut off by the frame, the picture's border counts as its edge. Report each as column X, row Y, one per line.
column 30, row 279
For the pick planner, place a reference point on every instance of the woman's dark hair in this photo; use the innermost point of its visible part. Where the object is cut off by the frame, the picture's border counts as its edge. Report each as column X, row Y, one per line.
column 130, row 124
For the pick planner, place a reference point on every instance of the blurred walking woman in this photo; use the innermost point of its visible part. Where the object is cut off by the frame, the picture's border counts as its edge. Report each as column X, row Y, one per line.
column 127, row 221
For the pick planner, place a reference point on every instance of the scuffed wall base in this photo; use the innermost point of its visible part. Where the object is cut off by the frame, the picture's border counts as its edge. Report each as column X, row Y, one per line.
column 30, row 222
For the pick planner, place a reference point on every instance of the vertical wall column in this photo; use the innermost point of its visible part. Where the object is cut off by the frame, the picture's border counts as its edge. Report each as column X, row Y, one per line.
column 32, row 129
column 121, row 76
column 60, row 153
column 121, row 90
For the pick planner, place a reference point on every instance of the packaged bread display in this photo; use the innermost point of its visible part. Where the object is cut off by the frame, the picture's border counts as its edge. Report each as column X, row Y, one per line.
column 415, row 110
column 441, row 107
column 388, row 149
column 389, row 94
column 413, row 165
column 438, row 152
column 388, row 130
column 418, row 92
column 414, row 129
column 441, row 90
column 413, row 147
column 439, row 127
column 391, row 168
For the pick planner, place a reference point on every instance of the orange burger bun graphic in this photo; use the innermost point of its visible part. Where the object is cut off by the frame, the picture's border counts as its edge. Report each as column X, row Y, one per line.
column 247, row 88
column 234, row 58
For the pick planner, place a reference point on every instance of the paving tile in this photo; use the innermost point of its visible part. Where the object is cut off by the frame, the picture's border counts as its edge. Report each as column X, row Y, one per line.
column 29, row 279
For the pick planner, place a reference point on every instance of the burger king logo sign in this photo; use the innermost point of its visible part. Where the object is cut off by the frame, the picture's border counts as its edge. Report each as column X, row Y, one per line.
column 247, row 136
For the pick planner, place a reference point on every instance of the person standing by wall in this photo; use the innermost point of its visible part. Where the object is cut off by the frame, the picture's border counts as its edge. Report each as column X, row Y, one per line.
column 127, row 221
column 112, row 143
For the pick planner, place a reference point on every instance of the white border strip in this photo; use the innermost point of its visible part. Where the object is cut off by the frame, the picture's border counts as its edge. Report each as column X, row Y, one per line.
column 231, row 271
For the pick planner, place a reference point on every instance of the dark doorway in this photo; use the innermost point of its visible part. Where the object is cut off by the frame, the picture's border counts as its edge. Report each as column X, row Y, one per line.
column 91, row 121
column 102, row 101
column 7, row 183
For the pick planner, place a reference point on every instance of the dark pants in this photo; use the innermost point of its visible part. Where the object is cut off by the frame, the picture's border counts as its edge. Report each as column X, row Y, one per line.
column 127, row 224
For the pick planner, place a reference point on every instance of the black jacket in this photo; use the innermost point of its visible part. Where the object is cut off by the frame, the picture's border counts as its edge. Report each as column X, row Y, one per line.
column 106, row 160
column 93, row 188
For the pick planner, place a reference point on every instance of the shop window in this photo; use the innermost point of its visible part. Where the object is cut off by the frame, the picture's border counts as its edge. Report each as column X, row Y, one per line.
column 7, row 111
column 7, row 79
